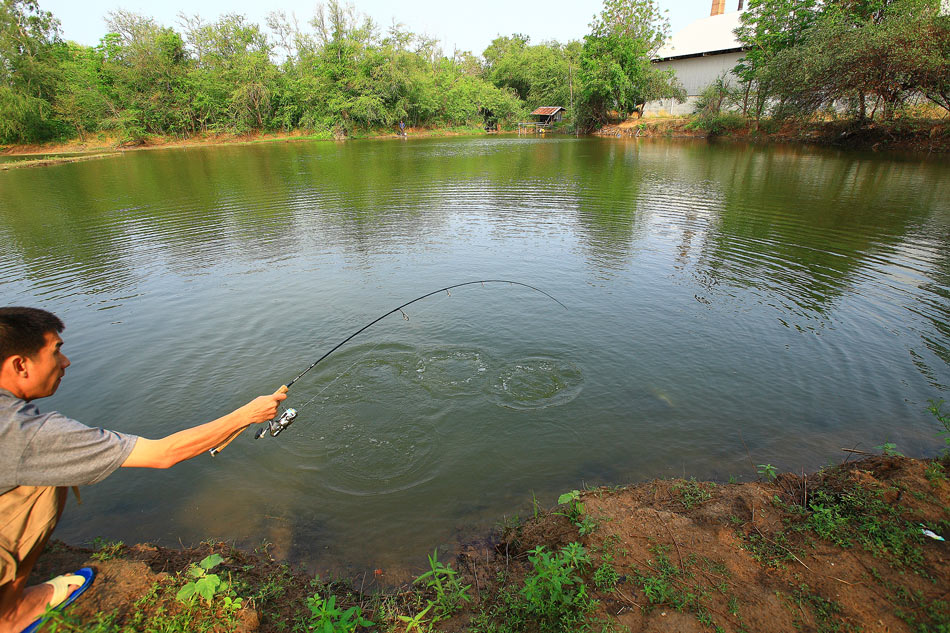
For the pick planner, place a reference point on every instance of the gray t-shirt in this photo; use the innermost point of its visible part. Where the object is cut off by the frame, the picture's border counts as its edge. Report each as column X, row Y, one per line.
column 49, row 449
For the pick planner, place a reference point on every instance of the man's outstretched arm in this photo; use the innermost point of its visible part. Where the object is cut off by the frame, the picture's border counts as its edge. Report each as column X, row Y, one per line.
column 189, row 443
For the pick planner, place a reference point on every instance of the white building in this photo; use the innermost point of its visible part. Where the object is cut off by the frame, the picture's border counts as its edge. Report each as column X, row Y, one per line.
column 699, row 54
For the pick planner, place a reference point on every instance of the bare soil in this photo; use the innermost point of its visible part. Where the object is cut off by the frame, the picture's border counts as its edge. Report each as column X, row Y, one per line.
column 689, row 556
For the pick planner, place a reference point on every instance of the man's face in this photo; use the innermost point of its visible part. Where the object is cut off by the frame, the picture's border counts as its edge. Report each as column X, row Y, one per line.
column 46, row 368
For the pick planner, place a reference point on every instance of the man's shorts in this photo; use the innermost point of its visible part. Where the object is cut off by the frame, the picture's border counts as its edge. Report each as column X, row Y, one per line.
column 28, row 515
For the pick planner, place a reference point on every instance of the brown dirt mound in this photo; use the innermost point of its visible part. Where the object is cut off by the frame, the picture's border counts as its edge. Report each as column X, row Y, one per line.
column 840, row 550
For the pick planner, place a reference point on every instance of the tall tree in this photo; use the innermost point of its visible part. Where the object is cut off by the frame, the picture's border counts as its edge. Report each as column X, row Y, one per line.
column 767, row 28
column 616, row 69
column 30, row 50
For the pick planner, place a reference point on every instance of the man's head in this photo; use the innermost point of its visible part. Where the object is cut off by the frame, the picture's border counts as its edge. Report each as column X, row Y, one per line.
column 31, row 361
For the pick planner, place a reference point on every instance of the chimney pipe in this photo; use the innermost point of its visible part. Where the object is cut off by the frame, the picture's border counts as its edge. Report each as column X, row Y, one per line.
column 718, row 7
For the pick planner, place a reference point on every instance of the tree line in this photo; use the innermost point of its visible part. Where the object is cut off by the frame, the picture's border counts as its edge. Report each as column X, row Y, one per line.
column 341, row 74
column 338, row 74
column 860, row 59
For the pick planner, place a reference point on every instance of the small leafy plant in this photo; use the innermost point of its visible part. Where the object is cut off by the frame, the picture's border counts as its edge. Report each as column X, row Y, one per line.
column 889, row 449
column 606, row 577
column 575, row 512
column 416, row 622
column 326, row 617
column 768, row 471
column 450, row 593
column 204, row 584
column 554, row 595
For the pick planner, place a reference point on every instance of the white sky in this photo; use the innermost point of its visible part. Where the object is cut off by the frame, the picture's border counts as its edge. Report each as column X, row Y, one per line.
column 463, row 25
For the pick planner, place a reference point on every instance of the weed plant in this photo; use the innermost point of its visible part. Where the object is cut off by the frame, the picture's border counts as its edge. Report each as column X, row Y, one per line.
column 326, row 617
column 204, row 583
column 936, row 408
column 552, row 599
column 575, row 512
column 450, row 593
column 106, row 550
column 691, row 493
column 860, row 516
column 768, row 471
column 606, row 577
column 555, row 596
column 935, row 473
column 666, row 584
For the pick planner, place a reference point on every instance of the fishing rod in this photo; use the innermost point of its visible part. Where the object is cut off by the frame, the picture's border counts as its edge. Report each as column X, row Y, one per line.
column 285, row 419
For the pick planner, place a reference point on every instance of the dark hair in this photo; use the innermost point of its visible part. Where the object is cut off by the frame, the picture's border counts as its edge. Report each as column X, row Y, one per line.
column 23, row 330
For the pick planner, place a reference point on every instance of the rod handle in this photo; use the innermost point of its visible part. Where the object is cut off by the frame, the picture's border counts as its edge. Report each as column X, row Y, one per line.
column 214, row 451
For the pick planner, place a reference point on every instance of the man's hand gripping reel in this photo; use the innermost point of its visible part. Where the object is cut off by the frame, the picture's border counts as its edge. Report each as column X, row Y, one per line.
column 278, row 424
column 275, row 426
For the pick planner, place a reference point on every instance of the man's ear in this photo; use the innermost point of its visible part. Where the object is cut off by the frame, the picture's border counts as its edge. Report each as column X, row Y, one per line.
column 17, row 364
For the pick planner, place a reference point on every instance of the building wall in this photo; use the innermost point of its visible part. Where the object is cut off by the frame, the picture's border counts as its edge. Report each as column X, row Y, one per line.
column 695, row 74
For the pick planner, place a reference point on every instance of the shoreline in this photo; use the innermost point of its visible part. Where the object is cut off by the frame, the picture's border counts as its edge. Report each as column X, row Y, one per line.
column 75, row 150
column 920, row 136
column 917, row 136
column 930, row 136
column 836, row 550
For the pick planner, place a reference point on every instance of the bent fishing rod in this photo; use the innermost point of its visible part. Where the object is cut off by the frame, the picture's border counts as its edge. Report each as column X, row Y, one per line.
column 285, row 419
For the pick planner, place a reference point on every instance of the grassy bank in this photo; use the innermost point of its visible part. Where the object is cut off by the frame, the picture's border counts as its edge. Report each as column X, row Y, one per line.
column 838, row 550
column 917, row 135
column 104, row 145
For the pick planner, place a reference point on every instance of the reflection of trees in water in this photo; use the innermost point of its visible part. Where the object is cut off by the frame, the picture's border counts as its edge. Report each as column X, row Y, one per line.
column 935, row 304
column 610, row 220
column 809, row 228
column 807, row 225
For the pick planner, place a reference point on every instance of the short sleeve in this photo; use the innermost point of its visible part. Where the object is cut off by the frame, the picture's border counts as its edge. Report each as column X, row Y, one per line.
column 64, row 452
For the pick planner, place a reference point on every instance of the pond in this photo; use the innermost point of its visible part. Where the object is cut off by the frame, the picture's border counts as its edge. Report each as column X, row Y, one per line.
column 725, row 306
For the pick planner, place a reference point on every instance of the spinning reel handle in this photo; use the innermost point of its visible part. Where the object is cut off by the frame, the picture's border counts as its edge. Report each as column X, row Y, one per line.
column 214, row 451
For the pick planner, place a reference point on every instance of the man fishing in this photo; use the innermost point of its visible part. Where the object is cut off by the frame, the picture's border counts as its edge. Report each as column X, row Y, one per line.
column 41, row 454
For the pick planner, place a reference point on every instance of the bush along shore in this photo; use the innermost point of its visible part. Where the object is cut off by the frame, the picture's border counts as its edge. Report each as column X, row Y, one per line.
column 849, row 548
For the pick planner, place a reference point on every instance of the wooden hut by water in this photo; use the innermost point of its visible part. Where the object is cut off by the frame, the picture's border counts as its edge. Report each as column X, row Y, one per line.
column 546, row 117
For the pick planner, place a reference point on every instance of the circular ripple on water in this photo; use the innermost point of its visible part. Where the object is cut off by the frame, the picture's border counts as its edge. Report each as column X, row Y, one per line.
column 447, row 373
column 377, row 429
column 537, row 382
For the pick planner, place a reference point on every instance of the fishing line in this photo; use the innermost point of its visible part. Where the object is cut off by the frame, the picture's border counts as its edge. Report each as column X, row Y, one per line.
column 360, row 359
column 286, row 418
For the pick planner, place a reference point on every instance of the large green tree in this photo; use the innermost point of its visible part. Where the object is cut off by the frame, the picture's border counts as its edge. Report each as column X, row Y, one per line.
column 30, row 53
column 616, row 68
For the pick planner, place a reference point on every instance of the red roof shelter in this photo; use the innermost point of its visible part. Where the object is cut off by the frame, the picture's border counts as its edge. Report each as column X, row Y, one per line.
column 549, row 114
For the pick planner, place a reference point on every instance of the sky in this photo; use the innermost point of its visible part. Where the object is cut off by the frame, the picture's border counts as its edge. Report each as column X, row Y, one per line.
column 464, row 26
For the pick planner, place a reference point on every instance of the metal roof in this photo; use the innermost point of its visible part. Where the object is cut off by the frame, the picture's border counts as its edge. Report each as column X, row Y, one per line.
column 547, row 110
column 707, row 36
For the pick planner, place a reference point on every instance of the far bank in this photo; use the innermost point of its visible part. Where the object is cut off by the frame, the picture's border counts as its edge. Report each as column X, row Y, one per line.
column 926, row 136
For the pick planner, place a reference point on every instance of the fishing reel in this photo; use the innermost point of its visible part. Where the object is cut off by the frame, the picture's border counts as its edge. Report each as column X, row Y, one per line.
column 278, row 424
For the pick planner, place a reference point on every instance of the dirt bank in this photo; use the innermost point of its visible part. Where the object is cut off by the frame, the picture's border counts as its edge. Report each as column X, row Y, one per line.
column 839, row 550
column 913, row 135
column 106, row 145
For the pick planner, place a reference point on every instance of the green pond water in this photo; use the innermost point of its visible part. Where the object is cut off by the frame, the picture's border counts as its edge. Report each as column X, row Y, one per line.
column 795, row 299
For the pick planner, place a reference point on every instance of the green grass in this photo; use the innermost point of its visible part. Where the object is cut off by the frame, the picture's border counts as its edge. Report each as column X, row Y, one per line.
column 692, row 493
column 665, row 583
column 827, row 613
column 857, row 516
